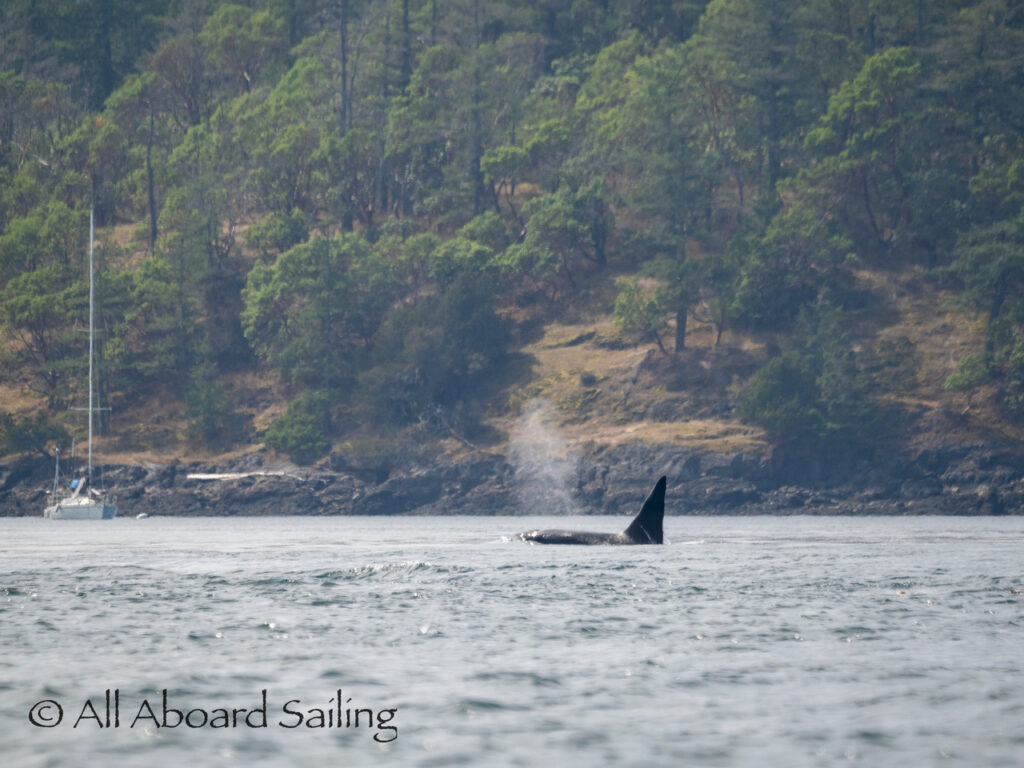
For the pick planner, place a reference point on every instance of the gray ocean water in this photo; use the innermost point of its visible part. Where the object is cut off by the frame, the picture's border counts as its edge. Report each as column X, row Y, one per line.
column 742, row 642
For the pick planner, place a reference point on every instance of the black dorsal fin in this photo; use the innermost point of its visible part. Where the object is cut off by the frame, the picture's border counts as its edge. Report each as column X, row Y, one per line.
column 646, row 526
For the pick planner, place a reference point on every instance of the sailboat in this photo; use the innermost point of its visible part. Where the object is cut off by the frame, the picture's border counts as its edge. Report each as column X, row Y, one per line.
column 80, row 501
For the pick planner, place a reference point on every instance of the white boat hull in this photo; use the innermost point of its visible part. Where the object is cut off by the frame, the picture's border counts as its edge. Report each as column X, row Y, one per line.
column 80, row 509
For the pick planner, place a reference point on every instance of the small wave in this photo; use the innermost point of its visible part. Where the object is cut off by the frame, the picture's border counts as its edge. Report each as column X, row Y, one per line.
column 373, row 570
column 276, row 581
column 354, row 678
column 534, row 678
column 471, row 705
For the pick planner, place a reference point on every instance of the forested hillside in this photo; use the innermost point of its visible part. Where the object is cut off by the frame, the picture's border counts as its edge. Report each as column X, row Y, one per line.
column 374, row 223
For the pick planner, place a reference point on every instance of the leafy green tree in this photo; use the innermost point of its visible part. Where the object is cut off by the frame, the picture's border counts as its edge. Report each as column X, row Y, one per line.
column 345, row 176
column 36, row 309
column 487, row 229
column 419, row 133
column 203, row 211
column 278, row 232
column 283, row 135
column 651, row 144
column 639, row 314
column 413, row 258
column 461, row 100
column 44, row 312
column 152, row 345
column 29, row 433
column 179, row 65
column 863, row 144
column 502, row 167
column 973, row 121
column 312, row 311
column 142, row 109
column 99, row 40
column 41, row 296
column 242, row 41
column 564, row 231
column 977, row 121
column 51, row 234
column 739, row 153
column 473, row 252
column 14, row 92
column 679, row 290
column 990, row 261
column 456, row 257
column 430, row 354
column 757, row 40
column 213, row 421
column 798, row 256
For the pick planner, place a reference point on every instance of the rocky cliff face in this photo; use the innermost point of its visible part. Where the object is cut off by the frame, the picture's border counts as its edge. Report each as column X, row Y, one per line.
column 963, row 480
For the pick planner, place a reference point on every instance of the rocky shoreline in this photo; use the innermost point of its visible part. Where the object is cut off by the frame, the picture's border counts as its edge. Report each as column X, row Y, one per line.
column 963, row 480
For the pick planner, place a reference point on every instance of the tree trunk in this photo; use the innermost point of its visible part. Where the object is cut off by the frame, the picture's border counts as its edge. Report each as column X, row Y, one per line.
column 343, row 34
column 661, row 345
column 680, row 329
column 773, row 86
column 107, row 76
column 150, row 184
column 476, row 122
column 406, row 46
column 995, row 308
column 385, row 92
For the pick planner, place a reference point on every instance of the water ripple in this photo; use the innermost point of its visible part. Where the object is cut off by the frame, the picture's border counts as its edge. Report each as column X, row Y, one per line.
column 771, row 642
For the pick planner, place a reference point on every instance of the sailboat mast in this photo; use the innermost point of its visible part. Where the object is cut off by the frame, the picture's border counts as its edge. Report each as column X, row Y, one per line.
column 56, row 476
column 91, row 299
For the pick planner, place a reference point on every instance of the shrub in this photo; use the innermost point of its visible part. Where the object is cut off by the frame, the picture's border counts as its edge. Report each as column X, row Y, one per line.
column 970, row 372
column 302, row 433
column 815, row 392
column 782, row 397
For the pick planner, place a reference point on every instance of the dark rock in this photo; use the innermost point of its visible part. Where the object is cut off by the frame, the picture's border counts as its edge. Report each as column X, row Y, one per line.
column 131, row 492
column 162, row 476
column 409, row 493
column 606, row 479
column 920, row 488
column 21, row 470
column 730, row 497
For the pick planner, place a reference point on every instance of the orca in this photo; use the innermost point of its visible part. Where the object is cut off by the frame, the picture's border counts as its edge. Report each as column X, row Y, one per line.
column 645, row 528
